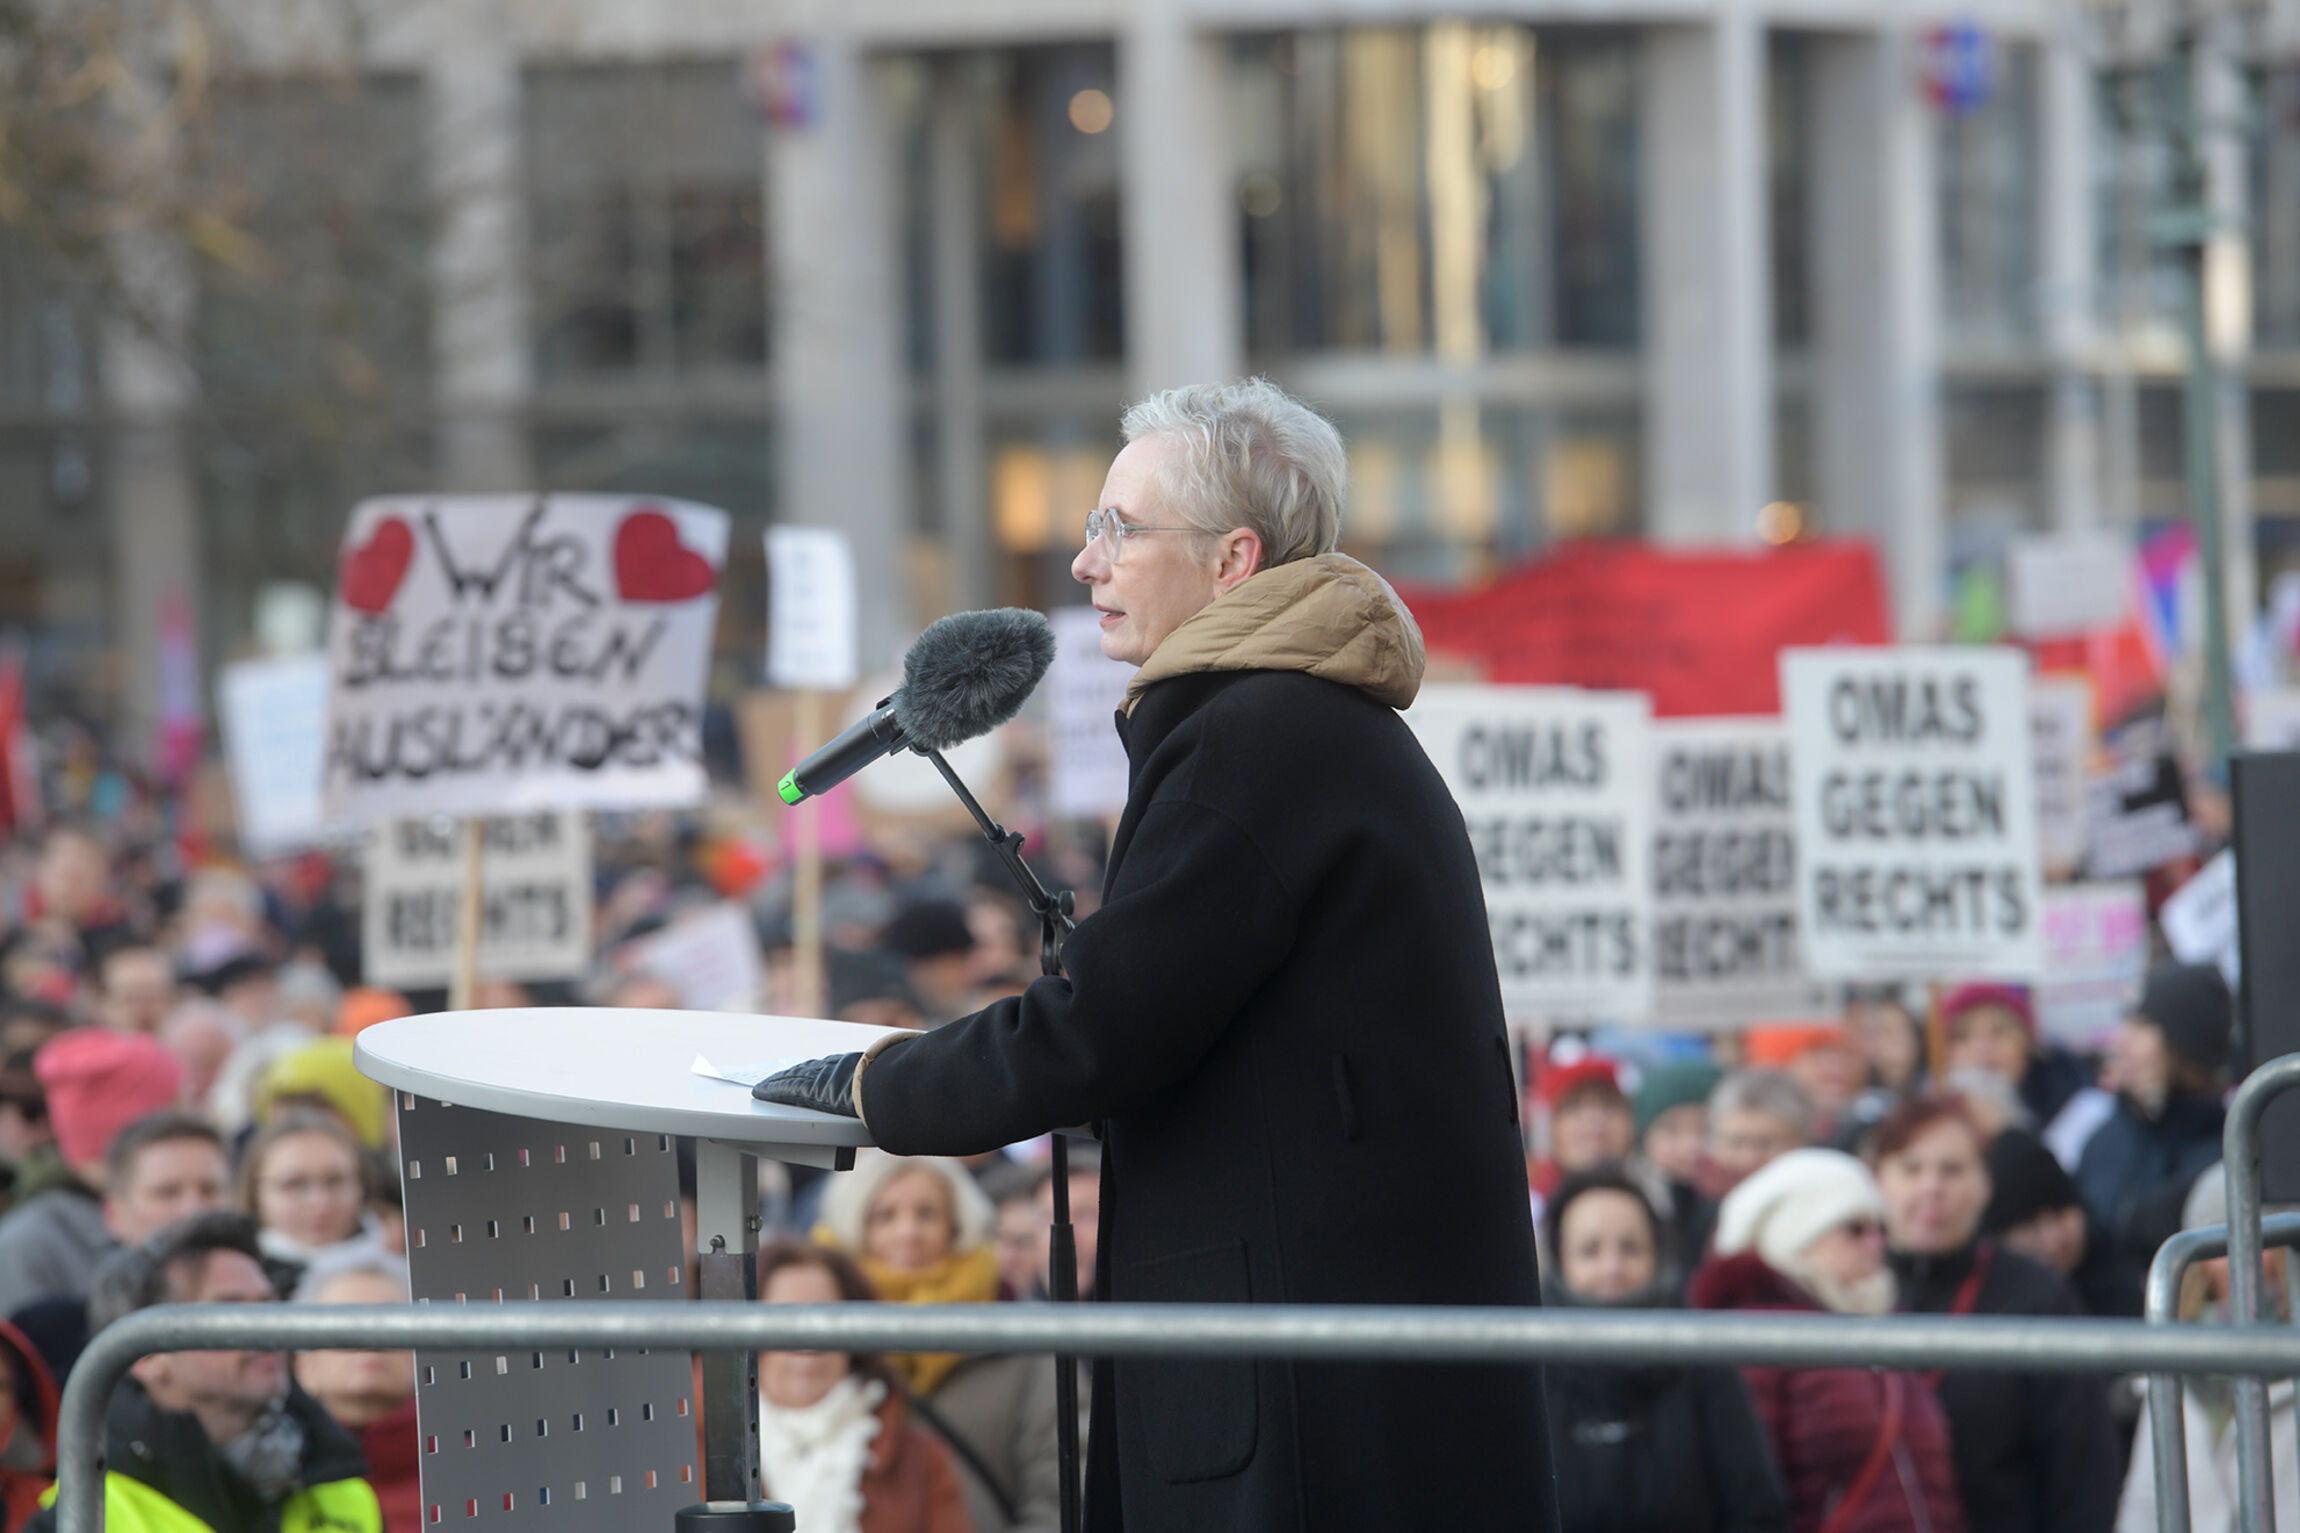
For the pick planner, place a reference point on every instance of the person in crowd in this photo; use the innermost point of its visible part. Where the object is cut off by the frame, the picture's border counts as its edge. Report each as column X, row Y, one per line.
column 73, row 888
column 303, row 1180
column 2208, row 1417
column 2166, row 1062
column 136, row 988
column 1019, row 1232
column 1821, row 1058
column 873, row 988
column 1889, row 1038
column 1672, row 1106
column 1085, row 1216
column 1590, row 1121
column 1755, row 1117
column 836, row 1442
column 96, row 1082
column 364, row 1006
column 2035, row 1209
column 933, row 939
column 1992, row 1027
column 322, row 1076
column 28, row 1412
column 202, row 1035
column 1642, row 1447
column 1860, row 1450
column 1991, row 1101
column 217, row 1440
column 29, row 1161
column 920, row 1230
column 371, row 1394
column 2029, row 1448
column 640, row 990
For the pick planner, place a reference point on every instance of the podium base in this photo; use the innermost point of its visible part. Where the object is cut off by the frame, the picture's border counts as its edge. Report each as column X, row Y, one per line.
column 736, row 1517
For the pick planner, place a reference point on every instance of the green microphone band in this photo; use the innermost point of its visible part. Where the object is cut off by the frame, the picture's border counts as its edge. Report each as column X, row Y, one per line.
column 789, row 787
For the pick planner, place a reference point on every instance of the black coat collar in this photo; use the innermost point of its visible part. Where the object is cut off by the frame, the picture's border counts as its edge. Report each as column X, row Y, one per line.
column 1162, row 707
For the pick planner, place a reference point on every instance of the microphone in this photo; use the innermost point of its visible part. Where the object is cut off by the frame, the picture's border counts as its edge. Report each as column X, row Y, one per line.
column 963, row 677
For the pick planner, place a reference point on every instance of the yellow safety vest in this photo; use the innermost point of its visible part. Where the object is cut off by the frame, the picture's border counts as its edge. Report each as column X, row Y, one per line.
column 339, row 1506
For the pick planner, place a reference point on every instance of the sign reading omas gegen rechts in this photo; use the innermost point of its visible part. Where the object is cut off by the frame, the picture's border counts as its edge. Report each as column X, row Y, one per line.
column 495, row 653
column 1916, row 812
column 535, row 905
column 1556, row 788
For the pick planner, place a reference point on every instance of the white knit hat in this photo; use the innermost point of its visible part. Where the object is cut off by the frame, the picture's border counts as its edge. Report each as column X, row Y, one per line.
column 1789, row 1203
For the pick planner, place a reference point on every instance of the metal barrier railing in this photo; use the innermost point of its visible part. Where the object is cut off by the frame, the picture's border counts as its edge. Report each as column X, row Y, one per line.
column 2240, row 1163
column 2167, row 1403
column 2021, row 1344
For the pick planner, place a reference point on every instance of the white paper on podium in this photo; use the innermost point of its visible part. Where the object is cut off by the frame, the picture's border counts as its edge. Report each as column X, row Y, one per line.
column 745, row 1075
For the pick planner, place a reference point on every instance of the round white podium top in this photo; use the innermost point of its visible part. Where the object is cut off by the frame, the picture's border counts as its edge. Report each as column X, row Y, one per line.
column 609, row 1068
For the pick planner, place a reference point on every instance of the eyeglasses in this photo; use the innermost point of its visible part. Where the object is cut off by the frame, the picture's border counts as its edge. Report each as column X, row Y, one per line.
column 1103, row 527
column 1863, row 1228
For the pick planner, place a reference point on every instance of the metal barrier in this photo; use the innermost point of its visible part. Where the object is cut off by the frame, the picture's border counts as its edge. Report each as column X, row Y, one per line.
column 2009, row 1344
column 2240, row 1162
column 2167, row 1400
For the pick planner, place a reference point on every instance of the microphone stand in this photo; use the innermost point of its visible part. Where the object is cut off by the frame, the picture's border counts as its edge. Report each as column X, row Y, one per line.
column 1054, row 924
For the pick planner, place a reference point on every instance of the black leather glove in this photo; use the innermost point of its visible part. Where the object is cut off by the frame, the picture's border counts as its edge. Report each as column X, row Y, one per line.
column 826, row 1085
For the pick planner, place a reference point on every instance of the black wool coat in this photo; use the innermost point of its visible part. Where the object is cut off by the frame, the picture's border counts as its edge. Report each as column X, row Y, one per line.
column 1286, row 1022
column 1661, row 1450
column 2035, row 1452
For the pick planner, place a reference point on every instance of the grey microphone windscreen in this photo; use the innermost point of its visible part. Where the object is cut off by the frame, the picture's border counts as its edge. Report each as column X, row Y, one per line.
column 969, row 673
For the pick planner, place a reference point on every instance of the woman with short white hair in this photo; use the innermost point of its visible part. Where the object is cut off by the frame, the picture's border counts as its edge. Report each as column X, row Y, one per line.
column 1285, row 1016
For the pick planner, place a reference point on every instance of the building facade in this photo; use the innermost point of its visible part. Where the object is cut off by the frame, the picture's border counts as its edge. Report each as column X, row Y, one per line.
column 1701, row 274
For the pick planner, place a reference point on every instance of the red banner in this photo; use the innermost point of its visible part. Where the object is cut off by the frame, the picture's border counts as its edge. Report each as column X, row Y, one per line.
column 1698, row 630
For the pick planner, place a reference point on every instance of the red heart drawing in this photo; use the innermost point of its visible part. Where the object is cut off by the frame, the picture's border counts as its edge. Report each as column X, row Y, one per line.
column 651, row 564
column 372, row 572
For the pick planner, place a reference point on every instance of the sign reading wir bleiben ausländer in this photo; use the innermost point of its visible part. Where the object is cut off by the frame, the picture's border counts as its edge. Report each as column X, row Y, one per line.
column 1556, row 787
column 1916, row 812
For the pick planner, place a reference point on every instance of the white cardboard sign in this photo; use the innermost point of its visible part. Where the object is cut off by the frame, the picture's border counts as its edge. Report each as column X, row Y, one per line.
column 1556, row 787
column 1916, row 812
column 274, row 715
column 810, row 609
column 1725, row 948
column 712, row 957
column 535, row 908
column 2060, row 724
column 1086, row 761
column 490, row 654
column 2095, row 955
column 2199, row 919
column 2068, row 583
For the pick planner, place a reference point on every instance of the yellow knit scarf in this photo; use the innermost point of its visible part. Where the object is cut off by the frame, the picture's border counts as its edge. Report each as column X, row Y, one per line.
column 964, row 1277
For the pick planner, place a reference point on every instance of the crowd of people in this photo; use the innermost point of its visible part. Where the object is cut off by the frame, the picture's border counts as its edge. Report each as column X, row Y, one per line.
column 181, row 1120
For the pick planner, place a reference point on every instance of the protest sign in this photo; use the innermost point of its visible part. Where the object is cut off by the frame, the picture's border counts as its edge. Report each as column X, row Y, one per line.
column 2272, row 719
column 2095, row 954
column 274, row 715
column 810, row 609
column 2199, row 920
column 1725, row 949
column 2136, row 809
column 2068, row 583
column 490, row 654
column 535, row 904
column 1916, row 812
column 1556, row 787
column 712, row 957
column 1086, row 767
column 2060, row 727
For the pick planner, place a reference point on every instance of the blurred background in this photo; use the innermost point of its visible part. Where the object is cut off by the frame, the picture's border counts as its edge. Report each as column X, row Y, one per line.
column 1702, row 274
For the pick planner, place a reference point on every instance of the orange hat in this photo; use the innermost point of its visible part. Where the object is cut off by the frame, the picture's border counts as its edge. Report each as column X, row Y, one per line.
column 1775, row 1044
column 363, row 1008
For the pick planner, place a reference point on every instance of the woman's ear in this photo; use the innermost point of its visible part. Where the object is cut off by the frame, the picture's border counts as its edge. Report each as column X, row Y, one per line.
column 1237, row 556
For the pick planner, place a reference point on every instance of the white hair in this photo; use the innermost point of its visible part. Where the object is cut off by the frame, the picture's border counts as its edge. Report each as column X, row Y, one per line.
column 1248, row 454
column 848, row 1196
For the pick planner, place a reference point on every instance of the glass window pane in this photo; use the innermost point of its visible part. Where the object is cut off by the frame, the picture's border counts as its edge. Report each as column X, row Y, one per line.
column 1454, row 189
column 2275, row 161
column 1047, row 126
column 1989, row 196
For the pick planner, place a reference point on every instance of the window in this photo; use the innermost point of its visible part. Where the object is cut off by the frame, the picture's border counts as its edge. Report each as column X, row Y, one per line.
column 1989, row 193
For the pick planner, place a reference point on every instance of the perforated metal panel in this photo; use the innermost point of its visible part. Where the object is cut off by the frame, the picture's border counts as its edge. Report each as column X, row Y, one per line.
column 517, row 1211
